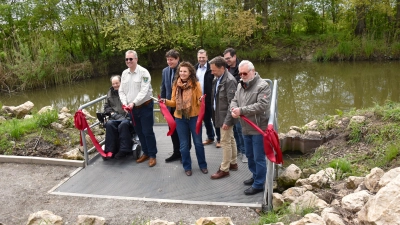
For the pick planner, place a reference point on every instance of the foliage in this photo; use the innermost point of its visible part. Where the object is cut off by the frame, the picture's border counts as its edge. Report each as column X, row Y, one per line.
column 341, row 166
column 284, row 214
column 46, row 118
column 356, row 132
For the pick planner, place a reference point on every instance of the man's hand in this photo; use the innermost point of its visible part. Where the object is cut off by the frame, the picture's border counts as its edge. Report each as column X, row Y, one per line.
column 225, row 127
column 235, row 112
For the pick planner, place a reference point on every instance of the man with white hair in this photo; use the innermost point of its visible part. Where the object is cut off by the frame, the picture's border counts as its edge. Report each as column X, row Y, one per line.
column 252, row 99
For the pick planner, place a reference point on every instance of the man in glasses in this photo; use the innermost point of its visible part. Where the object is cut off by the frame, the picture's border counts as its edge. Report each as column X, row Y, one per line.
column 135, row 92
column 252, row 99
column 203, row 73
column 232, row 63
column 168, row 76
column 224, row 88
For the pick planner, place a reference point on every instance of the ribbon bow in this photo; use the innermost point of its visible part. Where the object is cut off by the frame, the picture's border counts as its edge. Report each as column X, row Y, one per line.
column 124, row 107
column 81, row 123
column 270, row 140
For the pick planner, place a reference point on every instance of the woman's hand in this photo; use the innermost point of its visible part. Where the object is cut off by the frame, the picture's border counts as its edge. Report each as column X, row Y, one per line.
column 201, row 98
column 161, row 100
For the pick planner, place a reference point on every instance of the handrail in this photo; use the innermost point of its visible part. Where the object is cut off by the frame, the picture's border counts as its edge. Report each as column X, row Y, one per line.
column 273, row 119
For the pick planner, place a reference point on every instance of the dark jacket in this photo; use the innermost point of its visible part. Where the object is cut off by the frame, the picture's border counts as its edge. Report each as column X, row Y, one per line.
column 226, row 91
column 236, row 71
column 166, row 83
column 113, row 105
column 254, row 103
column 208, row 80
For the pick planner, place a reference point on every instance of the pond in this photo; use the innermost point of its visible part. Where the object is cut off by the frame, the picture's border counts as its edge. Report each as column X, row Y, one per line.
column 307, row 90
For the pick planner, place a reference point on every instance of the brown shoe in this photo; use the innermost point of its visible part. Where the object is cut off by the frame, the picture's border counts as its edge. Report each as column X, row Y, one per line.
column 219, row 174
column 218, row 144
column 207, row 142
column 188, row 173
column 233, row 167
column 142, row 159
column 152, row 162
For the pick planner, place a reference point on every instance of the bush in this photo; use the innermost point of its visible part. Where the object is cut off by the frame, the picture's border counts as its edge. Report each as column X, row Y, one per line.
column 46, row 118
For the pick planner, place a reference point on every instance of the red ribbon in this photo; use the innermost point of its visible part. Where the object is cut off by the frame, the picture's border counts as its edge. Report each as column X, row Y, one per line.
column 168, row 117
column 81, row 124
column 124, row 107
column 201, row 114
column 271, row 141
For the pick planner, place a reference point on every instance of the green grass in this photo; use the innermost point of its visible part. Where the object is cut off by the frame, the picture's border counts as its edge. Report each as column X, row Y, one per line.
column 341, row 166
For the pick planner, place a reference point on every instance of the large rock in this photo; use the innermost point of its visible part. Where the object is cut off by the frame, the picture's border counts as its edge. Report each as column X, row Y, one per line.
column 45, row 109
column 307, row 200
column 214, row 221
column 355, row 201
column 323, row 178
column 44, row 217
column 383, row 208
column 90, row 220
column 73, row 154
column 332, row 217
column 372, row 179
column 310, row 219
column 277, row 200
column 160, row 222
column 290, row 194
column 19, row 111
column 353, row 182
column 289, row 176
column 388, row 177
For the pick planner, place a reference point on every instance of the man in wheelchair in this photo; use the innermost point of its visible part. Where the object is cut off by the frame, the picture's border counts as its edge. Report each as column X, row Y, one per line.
column 120, row 134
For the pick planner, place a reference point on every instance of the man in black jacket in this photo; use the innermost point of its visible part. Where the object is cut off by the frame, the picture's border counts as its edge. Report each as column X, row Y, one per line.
column 203, row 73
column 118, row 127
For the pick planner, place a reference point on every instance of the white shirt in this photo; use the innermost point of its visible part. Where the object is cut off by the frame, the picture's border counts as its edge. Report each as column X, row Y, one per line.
column 135, row 86
column 201, row 71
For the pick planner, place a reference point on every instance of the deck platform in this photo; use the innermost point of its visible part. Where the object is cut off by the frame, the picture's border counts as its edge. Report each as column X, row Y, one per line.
column 165, row 182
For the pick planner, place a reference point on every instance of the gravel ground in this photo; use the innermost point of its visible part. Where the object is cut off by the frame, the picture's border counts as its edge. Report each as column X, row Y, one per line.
column 24, row 190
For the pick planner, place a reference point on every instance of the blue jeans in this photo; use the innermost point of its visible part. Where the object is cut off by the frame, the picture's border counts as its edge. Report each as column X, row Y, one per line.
column 144, row 121
column 237, row 133
column 185, row 127
column 257, row 163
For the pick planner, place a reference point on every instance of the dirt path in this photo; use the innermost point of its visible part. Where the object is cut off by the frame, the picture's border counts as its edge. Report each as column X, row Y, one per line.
column 24, row 190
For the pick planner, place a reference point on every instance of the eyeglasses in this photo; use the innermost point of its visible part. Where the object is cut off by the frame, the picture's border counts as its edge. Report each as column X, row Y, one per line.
column 129, row 59
column 243, row 74
column 228, row 58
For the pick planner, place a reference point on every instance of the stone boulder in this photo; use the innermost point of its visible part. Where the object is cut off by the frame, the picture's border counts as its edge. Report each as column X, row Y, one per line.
column 289, row 176
column 44, row 217
column 214, row 221
column 277, row 200
column 323, row 178
column 353, row 182
column 90, row 220
column 19, row 111
column 307, row 200
column 45, row 109
column 160, row 222
column 332, row 217
column 355, row 201
column 310, row 219
column 388, row 177
column 290, row 194
column 372, row 179
column 383, row 208
column 74, row 154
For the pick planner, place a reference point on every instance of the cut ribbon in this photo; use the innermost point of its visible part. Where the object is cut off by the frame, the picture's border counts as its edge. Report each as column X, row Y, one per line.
column 81, row 124
column 270, row 140
column 201, row 114
column 168, row 117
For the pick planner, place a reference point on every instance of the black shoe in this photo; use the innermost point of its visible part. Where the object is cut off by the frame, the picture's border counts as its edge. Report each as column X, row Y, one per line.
column 172, row 158
column 252, row 191
column 121, row 155
column 248, row 182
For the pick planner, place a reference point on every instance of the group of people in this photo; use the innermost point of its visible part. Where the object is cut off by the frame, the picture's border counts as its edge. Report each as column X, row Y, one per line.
column 230, row 89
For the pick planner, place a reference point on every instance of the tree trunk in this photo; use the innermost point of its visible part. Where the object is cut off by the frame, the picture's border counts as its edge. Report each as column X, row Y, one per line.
column 264, row 13
column 361, row 25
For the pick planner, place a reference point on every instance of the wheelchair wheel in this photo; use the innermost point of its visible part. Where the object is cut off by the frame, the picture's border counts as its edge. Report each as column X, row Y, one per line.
column 137, row 152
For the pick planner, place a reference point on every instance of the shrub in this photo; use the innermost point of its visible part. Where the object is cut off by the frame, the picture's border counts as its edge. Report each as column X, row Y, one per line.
column 46, row 118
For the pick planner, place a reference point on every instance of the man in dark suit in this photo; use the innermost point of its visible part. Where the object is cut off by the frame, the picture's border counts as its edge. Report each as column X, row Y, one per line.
column 203, row 73
column 168, row 75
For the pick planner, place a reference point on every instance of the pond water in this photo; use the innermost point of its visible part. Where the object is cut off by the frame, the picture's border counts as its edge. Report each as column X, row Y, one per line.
column 307, row 90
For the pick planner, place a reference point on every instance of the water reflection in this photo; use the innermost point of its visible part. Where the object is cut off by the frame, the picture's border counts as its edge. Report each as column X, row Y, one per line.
column 306, row 91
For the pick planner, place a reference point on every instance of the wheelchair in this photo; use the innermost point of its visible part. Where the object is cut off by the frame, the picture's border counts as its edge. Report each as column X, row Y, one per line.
column 136, row 146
